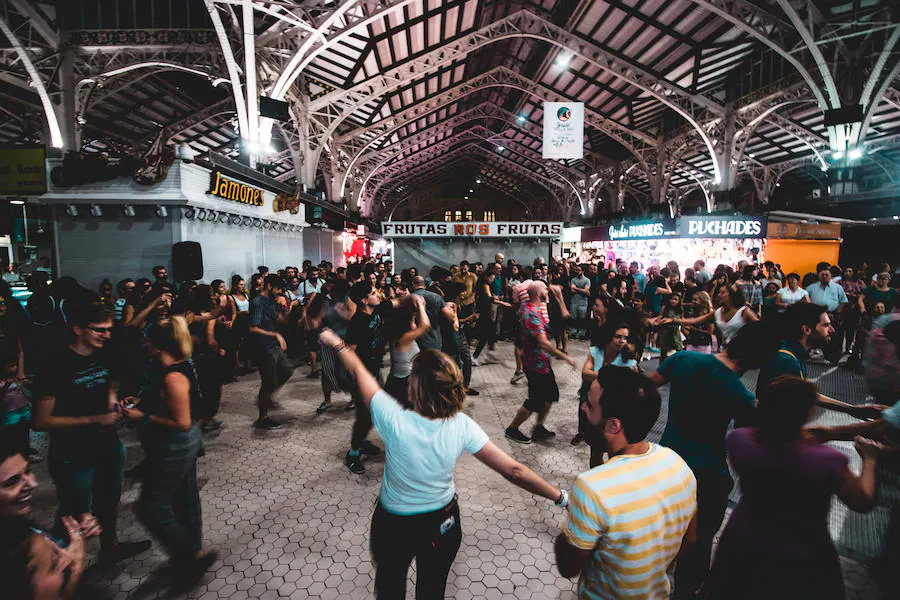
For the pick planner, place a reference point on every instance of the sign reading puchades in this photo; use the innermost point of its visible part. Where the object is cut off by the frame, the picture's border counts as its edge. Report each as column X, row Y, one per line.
column 738, row 226
column 638, row 230
column 476, row 229
column 229, row 189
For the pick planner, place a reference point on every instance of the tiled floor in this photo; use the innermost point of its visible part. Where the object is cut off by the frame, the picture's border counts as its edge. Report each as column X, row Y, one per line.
column 291, row 522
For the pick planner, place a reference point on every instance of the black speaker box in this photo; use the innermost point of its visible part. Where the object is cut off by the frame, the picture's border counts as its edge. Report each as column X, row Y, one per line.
column 187, row 261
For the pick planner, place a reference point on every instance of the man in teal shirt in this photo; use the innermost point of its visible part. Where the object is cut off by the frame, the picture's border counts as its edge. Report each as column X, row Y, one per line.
column 706, row 394
column 806, row 326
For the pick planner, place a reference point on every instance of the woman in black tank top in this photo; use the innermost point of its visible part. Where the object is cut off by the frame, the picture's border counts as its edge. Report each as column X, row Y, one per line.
column 169, row 506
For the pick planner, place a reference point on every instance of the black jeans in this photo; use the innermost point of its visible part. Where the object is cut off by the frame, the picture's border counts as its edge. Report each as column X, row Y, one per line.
column 169, row 506
column 485, row 334
column 712, row 500
column 431, row 538
column 274, row 371
column 362, row 423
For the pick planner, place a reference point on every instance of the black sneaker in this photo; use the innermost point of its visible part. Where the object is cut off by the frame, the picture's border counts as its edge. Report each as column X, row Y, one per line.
column 541, row 433
column 517, row 436
column 367, row 448
column 354, row 463
column 579, row 437
column 123, row 550
column 313, row 375
column 471, row 392
column 350, row 406
column 211, row 425
column 326, row 404
column 267, row 424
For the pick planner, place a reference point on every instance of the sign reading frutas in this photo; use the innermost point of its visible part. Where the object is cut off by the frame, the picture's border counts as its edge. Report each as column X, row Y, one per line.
column 227, row 188
column 563, row 130
column 476, row 229
column 22, row 171
column 723, row 227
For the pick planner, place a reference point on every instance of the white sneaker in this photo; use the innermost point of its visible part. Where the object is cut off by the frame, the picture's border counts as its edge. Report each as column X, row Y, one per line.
column 475, row 362
column 517, row 377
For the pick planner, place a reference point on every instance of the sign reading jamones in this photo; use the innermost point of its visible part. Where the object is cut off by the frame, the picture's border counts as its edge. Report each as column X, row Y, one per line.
column 225, row 187
column 484, row 229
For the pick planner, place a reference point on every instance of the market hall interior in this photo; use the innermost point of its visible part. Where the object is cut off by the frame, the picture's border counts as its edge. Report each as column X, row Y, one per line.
column 284, row 282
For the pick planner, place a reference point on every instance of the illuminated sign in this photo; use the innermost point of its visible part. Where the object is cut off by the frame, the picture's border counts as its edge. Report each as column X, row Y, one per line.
column 22, row 171
column 723, row 227
column 471, row 229
column 229, row 189
column 649, row 230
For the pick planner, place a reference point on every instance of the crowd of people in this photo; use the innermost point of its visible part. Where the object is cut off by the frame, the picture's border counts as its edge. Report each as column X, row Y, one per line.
column 78, row 363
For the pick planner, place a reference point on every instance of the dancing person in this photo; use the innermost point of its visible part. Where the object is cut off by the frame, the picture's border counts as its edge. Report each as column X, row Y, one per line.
column 167, row 417
column 437, row 310
column 543, row 391
column 786, row 553
column 270, row 347
column 669, row 335
column 486, row 302
column 77, row 404
column 732, row 314
column 366, row 338
column 806, row 326
column 406, row 328
column 699, row 338
column 417, row 514
column 609, row 347
column 631, row 517
column 706, row 394
column 33, row 563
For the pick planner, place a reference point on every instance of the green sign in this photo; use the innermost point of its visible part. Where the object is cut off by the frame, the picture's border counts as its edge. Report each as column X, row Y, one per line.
column 23, row 171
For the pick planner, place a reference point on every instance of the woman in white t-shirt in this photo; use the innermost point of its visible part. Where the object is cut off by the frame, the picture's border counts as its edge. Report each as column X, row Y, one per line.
column 417, row 515
column 792, row 292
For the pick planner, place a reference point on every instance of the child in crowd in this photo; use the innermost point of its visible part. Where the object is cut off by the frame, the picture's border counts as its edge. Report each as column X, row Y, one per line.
column 669, row 337
column 15, row 411
column 700, row 337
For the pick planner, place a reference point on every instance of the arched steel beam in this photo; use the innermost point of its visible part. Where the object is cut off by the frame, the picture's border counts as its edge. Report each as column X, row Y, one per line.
column 356, row 142
column 876, row 100
column 56, row 136
column 490, row 136
column 232, row 67
column 332, row 109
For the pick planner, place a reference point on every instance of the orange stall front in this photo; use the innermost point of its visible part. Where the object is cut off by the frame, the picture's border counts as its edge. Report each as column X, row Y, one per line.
column 799, row 247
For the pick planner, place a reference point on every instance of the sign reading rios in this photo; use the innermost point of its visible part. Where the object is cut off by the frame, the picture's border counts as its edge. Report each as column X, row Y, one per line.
column 227, row 188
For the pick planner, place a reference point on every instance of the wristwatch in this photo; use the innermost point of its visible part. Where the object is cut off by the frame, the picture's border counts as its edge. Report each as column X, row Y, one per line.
column 563, row 500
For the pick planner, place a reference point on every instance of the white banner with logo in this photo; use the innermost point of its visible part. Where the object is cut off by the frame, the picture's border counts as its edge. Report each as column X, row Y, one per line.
column 484, row 229
column 563, row 130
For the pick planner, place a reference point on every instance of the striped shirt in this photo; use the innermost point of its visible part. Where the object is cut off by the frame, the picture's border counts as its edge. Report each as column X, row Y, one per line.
column 632, row 512
column 520, row 294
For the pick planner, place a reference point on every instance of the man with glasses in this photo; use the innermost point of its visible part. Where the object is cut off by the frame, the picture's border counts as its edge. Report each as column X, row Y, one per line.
column 77, row 404
column 160, row 274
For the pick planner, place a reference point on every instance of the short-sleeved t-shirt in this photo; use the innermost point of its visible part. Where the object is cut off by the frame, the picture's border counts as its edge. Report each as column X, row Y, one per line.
column 632, row 513
column 599, row 355
column 264, row 314
column 80, row 386
column 890, row 297
column 704, row 397
column 364, row 332
column 536, row 359
column 581, row 283
column 788, row 361
column 433, row 305
column 654, row 300
column 792, row 297
column 421, row 454
column 831, row 296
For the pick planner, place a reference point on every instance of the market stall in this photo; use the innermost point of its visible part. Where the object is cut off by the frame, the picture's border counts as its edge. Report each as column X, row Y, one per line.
column 120, row 228
column 799, row 247
column 423, row 244
column 717, row 240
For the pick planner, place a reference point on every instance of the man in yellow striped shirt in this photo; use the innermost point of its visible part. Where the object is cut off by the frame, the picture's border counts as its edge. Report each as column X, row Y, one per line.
column 628, row 518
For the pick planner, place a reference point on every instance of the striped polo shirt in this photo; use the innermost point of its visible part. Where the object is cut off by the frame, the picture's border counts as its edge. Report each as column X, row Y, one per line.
column 633, row 513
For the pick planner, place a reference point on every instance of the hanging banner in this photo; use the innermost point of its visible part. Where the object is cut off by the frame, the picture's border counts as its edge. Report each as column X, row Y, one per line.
column 432, row 229
column 22, row 171
column 563, row 130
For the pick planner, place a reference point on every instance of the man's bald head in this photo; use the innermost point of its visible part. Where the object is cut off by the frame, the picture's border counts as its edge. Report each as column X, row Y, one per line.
column 418, row 282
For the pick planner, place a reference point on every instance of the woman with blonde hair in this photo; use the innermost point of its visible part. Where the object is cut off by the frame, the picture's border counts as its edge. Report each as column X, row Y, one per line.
column 417, row 515
column 167, row 417
column 699, row 337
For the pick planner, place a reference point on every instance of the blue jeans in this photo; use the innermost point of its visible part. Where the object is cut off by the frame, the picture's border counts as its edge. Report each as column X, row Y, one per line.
column 170, row 502
column 90, row 486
